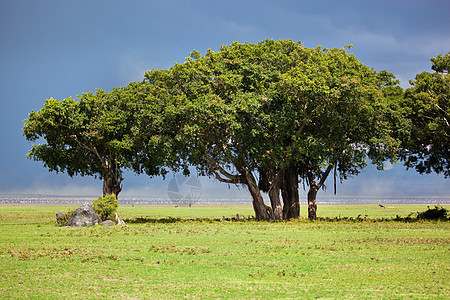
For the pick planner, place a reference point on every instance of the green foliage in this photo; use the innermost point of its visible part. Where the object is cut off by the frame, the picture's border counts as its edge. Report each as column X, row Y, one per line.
column 88, row 137
column 436, row 213
column 264, row 107
column 427, row 106
column 63, row 221
column 99, row 134
column 274, row 105
column 105, row 207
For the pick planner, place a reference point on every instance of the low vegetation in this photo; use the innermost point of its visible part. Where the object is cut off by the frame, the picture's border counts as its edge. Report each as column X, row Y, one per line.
column 194, row 256
column 65, row 217
column 105, row 207
column 436, row 213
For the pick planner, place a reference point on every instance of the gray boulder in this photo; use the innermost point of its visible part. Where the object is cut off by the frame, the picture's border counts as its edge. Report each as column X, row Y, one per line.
column 84, row 216
column 108, row 223
column 60, row 215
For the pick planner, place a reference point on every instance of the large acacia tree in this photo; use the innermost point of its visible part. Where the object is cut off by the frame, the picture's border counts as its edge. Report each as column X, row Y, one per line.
column 337, row 116
column 90, row 136
column 208, row 112
column 320, row 110
column 156, row 144
column 281, row 110
column 427, row 105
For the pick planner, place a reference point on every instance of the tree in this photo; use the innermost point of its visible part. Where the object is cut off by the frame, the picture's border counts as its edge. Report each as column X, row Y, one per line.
column 154, row 148
column 279, row 110
column 321, row 110
column 91, row 136
column 339, row 118
column 204, row 99
column 427, row 105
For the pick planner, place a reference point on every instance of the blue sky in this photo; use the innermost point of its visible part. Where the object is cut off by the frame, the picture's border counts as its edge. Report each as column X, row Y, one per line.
column 63, row 48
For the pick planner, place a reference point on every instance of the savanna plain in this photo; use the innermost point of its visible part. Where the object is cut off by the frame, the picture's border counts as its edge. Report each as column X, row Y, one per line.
column 202, row 252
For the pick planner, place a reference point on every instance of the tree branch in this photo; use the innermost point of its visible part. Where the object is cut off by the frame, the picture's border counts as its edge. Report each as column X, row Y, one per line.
column 219, row 171
column 325, row 175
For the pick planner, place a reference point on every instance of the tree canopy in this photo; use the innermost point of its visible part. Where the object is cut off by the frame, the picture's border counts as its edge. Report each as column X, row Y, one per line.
column 427, row 104
column 265, row 115
column 91, row 136
column 281, row 110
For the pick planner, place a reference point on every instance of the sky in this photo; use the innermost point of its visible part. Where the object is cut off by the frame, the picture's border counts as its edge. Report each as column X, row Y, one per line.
column 63, row 48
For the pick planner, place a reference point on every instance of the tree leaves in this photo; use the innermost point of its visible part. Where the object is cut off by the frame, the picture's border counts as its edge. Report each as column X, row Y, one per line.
column 259, row 107
column 427, row 106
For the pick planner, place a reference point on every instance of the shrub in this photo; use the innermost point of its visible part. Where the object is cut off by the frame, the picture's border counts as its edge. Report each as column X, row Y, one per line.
column 436, row 213
column 63, row 220
column 105, row 207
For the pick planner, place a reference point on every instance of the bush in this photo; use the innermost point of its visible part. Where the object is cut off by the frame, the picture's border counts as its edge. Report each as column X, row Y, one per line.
column 436, row 213
column 63, row 220
column 105, row 207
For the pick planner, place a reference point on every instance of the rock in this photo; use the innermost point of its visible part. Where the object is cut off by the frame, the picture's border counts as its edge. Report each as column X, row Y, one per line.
column 108, row 223
column 84, row 216
column 60, row 215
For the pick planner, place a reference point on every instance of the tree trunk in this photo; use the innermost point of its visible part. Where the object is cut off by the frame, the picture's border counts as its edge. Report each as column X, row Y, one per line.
column 262, row 211
column 313, row 188
column 291, row 208
column 274, row 195
column 111, row 186
column 285, row 196
column 312, row 205
column 269, row 183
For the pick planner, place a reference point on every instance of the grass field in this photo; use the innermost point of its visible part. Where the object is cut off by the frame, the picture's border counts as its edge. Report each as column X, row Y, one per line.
column 359, row 259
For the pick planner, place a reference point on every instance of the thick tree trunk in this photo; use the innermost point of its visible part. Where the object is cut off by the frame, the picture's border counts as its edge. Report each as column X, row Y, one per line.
column 291, row 208
column 111, row 186
column 274, row 195
column 270, row 183
column 285, row 196
column 262, row 211
column 312, row 206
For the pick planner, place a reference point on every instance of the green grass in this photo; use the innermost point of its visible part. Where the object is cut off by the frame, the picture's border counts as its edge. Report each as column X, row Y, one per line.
column 220, row 259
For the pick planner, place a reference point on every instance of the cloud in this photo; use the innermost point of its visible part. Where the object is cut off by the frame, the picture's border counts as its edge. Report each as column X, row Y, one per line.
column 375, row 40
column 431, row 45
column 132, row 68
column 378, row 187
column 388, row 166
column 69, row 189
column 238, row 28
